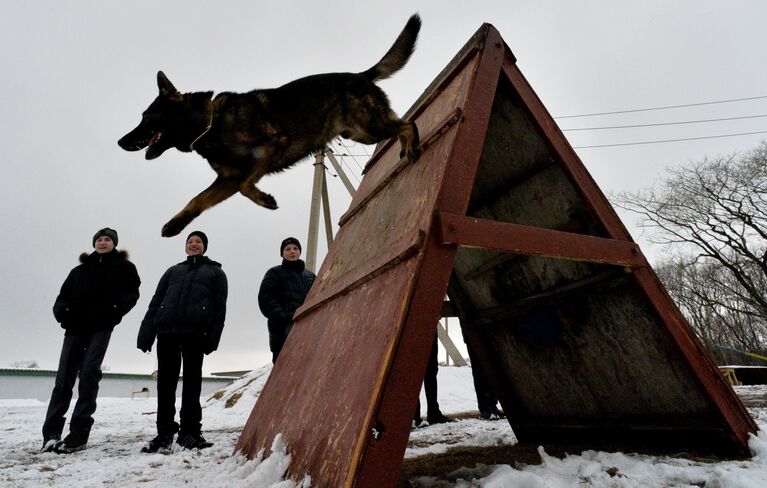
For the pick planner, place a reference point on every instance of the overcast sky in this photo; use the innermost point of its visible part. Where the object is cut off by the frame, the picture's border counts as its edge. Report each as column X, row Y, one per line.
column 76, row 76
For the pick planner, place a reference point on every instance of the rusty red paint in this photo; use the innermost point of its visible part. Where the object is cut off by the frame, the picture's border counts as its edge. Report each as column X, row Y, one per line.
column 521, row 239
column 401, row 250
column 383, row 457
column 357, row 354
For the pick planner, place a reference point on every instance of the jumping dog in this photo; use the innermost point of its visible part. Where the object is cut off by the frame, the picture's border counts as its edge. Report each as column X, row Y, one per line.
column 245, row 136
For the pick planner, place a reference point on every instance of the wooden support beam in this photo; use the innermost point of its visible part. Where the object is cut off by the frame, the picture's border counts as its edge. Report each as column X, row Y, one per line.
column 499, row 314
column 449, row 346
column 536, row 241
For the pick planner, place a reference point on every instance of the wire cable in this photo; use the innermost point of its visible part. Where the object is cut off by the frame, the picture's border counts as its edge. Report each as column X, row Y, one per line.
column 341, row 143
column 343, row 161
column 664, row 123
column 660, row 108
column 670, row 140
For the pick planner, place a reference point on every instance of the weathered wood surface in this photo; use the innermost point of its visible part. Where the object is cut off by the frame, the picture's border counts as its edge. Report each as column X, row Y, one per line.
column 569, row 323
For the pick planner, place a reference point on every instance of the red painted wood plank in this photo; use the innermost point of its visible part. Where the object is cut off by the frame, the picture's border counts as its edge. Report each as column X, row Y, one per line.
column 522, row 239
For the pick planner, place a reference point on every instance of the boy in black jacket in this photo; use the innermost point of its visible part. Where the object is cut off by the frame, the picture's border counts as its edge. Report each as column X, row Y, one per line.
column 283, row 290
column 186, row 315
column 93, row 300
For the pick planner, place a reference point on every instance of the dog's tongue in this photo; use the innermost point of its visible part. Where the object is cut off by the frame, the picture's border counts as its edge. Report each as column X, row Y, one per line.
column 155, row 138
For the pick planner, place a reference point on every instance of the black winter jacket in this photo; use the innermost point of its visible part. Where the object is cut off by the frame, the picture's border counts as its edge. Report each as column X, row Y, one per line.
column 190, row 301
column 97, row 293
column 283, row 290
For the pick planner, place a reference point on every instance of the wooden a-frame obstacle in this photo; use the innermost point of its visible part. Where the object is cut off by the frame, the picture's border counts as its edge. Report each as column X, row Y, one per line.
column 574, row 332
column 320, row 197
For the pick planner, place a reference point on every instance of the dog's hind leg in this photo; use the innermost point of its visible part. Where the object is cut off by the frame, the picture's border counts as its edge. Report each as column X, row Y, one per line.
column 409, row 140
column 218, row 191
column 382, row 124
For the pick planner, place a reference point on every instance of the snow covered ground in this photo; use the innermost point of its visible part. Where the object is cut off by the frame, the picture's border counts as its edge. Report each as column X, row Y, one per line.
column 124, row 425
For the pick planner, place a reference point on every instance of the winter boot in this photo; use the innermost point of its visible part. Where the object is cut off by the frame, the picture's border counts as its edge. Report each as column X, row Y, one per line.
column 490, row 414
column 162, row 442
column 76, row 440
column 192, row 441
column 438, row 418
column 49, row 443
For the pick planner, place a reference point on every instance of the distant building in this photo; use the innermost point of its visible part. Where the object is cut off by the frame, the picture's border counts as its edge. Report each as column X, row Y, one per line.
column 25, row 383
column 232, row 374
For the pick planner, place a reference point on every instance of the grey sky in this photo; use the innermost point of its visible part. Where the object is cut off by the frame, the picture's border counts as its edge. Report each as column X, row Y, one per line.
column 76, row 76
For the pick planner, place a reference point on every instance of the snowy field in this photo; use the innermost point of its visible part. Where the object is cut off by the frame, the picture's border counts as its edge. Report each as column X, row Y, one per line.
column 124, row 425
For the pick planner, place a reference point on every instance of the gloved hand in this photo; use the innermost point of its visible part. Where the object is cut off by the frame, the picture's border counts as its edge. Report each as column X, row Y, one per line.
column 146, row 337
column 144, row 346
column 208, row 345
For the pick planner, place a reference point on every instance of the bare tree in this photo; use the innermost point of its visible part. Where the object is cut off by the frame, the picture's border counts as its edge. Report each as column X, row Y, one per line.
column 706, row 292
column 713, row 216
column 714, row 210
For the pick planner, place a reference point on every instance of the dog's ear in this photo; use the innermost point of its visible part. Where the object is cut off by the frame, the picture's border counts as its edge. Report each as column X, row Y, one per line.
column 166, row 87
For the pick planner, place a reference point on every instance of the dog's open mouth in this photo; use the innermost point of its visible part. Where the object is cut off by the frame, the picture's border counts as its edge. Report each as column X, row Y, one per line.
column 152, row 148
column 155, row 137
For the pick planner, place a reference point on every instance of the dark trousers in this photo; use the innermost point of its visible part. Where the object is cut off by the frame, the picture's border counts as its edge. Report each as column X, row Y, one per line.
column 81, row 356
column 486, row 401
column 277, row 338
column 430, row 384
column 171, row 352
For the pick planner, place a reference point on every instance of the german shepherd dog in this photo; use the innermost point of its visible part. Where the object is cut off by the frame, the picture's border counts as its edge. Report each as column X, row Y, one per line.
column 245, row 136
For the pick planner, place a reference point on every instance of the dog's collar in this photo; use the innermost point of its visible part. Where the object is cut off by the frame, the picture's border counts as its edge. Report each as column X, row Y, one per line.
column 210, row 124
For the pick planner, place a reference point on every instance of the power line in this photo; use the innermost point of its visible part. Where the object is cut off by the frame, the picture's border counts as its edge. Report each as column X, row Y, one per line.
column 664, row 123
column 660, row 108
column 343, row 161
column 341, row 143
column 670, row 140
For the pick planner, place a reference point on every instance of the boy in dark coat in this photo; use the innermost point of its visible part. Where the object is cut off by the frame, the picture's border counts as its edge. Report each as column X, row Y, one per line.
column 283, row 290
column 93, row 300
column 186, row 315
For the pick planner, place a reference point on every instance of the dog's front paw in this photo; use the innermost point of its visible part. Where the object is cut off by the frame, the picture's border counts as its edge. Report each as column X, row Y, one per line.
column 411, row 154
column 268, row 201
column 175, row 226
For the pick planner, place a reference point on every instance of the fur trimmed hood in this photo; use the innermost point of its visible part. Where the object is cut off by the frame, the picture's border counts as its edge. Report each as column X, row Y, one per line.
column 97, row 292
column 121, row 254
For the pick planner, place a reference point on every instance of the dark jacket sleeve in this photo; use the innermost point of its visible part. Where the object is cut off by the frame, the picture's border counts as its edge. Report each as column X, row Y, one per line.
column 61, row 307
column 130, row 293
column 270, row 299
column 148, row 330
column 218, row 312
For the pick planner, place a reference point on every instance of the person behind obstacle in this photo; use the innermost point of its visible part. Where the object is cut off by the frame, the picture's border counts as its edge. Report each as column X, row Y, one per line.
column 487, row 403
column 283, row 290
column 433, row 413
column 186, row 315
column 92, row 301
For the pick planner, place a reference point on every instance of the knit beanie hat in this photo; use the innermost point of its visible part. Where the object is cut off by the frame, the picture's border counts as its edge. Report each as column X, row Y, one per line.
column 202, row 237
column 106, row 231
column 289, row 240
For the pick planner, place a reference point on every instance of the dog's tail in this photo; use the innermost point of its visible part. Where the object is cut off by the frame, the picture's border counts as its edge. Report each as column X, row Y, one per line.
column 398, row 54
